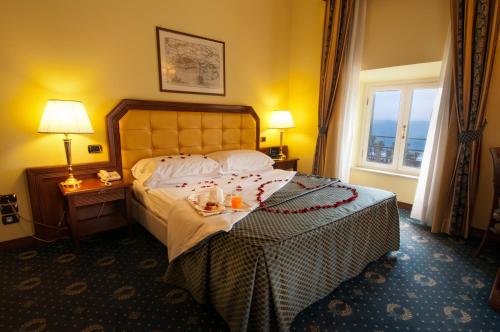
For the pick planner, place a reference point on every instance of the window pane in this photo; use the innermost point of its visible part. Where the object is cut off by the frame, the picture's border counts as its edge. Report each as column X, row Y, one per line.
column 418, row 125
column 384, row 126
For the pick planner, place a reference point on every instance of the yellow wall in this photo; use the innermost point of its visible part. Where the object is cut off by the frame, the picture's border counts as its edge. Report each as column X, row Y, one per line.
column 404, row 32
column 306, row 33
column 100, row 52
column 491, row 138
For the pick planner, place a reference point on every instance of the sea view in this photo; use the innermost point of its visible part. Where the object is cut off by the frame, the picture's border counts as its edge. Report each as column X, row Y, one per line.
column 385, row 131
column 387, row 110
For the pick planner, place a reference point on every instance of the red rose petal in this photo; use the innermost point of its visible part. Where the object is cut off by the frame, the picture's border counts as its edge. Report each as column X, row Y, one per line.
column 260, row 191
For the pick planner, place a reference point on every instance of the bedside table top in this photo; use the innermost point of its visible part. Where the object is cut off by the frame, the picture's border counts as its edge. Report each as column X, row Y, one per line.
column 92, row 185
column 285, row 160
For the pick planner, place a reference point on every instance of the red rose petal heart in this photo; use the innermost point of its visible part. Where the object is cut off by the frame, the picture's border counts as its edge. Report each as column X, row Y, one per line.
column 260, row 192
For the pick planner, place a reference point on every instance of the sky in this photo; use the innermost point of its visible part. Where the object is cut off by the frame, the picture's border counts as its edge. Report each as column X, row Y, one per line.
column 386, row 106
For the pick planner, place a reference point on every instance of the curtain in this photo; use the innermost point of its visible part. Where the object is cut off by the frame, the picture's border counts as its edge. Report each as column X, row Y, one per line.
column 451, row 195
column 339, row 139
column 434, row 159
column 474, row 37
column 337, row 28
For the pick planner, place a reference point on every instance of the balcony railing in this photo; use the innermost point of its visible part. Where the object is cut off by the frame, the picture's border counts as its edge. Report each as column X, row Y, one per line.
column 379, row 152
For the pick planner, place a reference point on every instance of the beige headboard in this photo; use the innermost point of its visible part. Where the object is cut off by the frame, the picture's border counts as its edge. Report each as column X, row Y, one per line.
column 142, row 129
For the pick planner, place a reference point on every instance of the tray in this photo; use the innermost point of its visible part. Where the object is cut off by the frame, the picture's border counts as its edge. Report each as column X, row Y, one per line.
column 193, row 200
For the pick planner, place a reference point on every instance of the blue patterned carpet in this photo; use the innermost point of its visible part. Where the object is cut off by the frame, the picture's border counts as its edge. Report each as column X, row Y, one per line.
column 115, row 284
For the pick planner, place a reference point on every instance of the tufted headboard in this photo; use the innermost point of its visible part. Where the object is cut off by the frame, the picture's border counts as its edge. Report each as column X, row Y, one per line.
column 140, row 129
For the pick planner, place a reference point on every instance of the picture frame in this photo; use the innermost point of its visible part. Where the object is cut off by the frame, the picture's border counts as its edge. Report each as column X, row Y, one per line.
column 190, row 64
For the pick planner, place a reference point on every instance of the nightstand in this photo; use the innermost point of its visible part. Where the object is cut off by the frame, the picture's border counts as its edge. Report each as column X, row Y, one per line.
column 286, row 164
column 95, row 208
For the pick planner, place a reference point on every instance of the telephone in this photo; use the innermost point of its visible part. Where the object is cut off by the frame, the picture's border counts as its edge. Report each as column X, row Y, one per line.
column 106, row 176
column 274, row 153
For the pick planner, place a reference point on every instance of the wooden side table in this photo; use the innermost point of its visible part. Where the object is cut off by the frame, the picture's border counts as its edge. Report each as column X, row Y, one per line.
column 92, row 208
column 286, row 164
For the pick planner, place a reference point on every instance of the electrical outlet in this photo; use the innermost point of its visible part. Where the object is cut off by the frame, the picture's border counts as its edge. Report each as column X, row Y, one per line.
column 9, row 198
column 95, row 148
column 10, row 208
column 10, row 219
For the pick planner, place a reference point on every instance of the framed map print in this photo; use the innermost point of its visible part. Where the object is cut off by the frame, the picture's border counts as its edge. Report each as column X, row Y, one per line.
column 189, row 63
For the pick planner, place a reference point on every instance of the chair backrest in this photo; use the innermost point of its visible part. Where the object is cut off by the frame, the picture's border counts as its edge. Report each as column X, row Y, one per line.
column 495, row 155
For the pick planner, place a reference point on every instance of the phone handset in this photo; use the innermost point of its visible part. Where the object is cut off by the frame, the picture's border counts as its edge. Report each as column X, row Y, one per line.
column 106, row 176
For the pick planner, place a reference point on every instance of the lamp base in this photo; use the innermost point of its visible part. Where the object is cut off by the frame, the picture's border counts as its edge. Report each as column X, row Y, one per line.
column 71, row 182
column 281, row 156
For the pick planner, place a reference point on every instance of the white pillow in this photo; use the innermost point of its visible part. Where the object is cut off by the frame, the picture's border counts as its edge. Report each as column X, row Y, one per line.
column 144, row 168
column 242, row 160
column 159, row 171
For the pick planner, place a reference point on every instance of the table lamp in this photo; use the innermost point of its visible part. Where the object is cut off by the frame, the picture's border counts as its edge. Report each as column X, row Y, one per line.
column 66, row 117
column 281, row 120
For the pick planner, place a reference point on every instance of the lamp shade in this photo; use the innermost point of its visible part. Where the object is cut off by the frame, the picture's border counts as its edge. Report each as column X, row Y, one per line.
column 281, row 120
column 65, row 117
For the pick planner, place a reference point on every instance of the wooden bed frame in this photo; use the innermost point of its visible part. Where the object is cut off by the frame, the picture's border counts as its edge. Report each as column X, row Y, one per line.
column 46, row 202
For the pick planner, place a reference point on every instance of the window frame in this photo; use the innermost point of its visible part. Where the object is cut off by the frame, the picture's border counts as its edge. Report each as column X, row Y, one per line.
column 407, row 88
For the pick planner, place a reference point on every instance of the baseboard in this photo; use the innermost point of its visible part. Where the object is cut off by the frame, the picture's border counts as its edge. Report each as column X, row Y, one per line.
column 22, row 242
column 476, row 233
column 403, row 205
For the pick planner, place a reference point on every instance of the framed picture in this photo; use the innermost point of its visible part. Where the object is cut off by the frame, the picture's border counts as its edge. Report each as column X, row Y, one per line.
column 189, row 63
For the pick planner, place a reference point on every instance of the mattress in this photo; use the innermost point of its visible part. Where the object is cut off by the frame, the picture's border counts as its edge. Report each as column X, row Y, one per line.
column 158, row 202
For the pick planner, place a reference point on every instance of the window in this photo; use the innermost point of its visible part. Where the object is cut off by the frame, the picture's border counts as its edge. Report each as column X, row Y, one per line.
column 397, row 123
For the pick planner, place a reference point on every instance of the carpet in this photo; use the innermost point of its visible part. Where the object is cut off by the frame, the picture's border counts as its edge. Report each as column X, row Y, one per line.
column 114, row 283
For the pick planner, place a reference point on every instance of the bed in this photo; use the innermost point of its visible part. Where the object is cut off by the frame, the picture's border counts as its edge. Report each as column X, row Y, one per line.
column 308, row 237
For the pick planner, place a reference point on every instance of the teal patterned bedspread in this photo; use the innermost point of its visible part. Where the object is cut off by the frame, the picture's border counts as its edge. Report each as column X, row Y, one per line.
column 271, row 266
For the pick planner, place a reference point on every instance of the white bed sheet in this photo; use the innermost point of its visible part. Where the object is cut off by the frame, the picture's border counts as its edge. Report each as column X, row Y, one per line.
column 161, row 200
column 184, row 226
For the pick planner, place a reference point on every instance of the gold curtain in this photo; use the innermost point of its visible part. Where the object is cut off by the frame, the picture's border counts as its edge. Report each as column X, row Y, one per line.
column 337, row 27
column 474, row 27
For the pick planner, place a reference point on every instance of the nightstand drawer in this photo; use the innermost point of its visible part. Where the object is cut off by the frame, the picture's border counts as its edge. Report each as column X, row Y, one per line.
column 102, row 196
column 286, row 164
